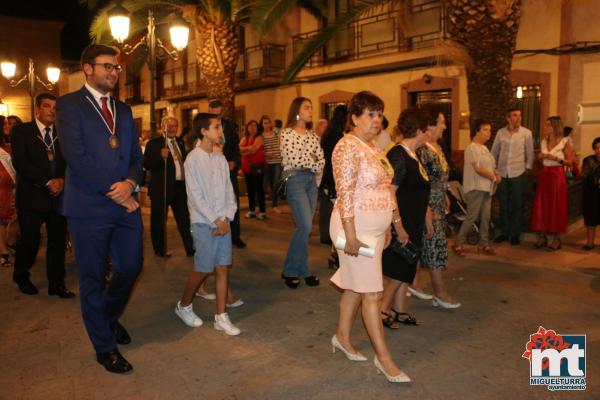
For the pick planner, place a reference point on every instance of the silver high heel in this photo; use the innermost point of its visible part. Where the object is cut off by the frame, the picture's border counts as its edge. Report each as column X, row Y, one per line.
column 400, row 378
column 437, row 302
column 335, row 344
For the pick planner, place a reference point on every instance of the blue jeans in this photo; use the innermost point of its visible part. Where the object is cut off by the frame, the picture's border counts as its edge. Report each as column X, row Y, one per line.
column 302, row 198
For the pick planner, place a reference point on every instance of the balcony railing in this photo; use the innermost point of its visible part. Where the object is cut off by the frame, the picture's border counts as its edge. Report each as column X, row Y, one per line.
column 263, row 61
column 257, row 64
column 388, row 32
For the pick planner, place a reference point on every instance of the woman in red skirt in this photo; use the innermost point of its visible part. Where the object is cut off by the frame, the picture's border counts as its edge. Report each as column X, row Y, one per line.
column 549, row 212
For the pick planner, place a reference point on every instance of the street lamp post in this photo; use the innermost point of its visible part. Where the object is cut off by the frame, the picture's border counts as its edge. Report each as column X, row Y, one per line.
column 119, row 25
column 9, row 69
column 118, row 18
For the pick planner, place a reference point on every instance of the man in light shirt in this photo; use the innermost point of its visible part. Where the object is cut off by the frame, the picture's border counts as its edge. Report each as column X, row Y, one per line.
column 513, row 151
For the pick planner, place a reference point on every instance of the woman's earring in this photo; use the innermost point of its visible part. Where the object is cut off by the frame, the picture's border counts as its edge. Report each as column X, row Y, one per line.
column 297, row 117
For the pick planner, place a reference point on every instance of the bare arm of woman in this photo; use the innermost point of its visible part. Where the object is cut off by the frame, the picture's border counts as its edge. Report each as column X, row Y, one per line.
column 486, row 173
column 253, row 148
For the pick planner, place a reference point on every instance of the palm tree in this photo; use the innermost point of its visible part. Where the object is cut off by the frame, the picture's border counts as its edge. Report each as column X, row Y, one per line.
column 487, row 30
column 216, row 24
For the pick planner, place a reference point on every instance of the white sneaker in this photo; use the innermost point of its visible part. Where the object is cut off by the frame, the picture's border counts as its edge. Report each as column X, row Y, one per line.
column 235, row 304
column 250, row 214
column 187, row 315
column 222, row 323
column 261, row 216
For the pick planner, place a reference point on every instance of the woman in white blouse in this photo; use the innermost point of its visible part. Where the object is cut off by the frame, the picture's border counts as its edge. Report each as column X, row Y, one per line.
column 479, row 182
column 549, row 210
column 302, row 161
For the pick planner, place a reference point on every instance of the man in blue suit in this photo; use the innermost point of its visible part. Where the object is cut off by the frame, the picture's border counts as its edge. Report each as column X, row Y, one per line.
column 104, row 166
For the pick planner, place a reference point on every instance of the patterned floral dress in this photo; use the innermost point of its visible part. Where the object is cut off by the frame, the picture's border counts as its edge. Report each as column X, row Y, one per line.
column 435, row 250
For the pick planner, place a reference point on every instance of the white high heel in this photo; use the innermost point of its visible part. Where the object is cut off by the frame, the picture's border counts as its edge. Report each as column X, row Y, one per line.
column 400, row 378
column 418, row 295
column 335, row 344
column 437, row 302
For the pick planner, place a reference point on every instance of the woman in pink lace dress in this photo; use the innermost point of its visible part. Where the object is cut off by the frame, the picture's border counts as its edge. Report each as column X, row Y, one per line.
column 362, row 215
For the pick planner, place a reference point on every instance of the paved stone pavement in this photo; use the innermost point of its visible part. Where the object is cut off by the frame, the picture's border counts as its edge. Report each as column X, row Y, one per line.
column 283, row 352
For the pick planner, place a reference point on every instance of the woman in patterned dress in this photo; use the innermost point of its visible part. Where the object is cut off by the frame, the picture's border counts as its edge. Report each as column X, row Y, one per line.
column 362, row 213
column 435, row 250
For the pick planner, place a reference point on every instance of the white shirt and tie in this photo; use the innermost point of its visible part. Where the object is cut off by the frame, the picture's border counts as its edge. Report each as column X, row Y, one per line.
column 176, row 153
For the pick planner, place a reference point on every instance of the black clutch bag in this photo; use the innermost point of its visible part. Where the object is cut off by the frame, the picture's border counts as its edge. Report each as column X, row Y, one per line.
column 409, row 252
column 281, row 187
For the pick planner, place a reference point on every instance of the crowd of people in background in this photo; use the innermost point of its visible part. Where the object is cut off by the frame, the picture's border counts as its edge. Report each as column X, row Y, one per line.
column 383, row 198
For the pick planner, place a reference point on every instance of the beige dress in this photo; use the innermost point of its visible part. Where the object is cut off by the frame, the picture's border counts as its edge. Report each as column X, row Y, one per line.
column 362, row 180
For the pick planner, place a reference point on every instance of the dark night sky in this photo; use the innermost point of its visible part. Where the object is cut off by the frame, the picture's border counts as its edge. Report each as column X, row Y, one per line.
column 77, row 18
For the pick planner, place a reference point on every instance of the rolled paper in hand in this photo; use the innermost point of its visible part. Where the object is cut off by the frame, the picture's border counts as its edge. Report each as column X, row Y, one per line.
column 371, row 241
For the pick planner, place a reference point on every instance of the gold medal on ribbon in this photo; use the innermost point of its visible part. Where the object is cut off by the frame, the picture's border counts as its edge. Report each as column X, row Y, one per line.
column 50, row 155
column 113, row 141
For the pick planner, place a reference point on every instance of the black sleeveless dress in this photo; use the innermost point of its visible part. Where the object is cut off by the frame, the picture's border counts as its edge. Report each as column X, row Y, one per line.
column 412, row 197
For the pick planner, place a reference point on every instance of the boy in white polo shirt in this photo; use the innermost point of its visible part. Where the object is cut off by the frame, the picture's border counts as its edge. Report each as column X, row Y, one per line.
column 212, row 204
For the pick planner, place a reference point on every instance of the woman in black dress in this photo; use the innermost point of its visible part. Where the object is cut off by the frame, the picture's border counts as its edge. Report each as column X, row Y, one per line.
column 591, row 193
column 411, row 217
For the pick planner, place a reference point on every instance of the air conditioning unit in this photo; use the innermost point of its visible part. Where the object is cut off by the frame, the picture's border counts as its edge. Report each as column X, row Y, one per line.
column 588, row 113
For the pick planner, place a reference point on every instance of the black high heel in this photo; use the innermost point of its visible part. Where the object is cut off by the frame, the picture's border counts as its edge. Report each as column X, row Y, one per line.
column 389, row 321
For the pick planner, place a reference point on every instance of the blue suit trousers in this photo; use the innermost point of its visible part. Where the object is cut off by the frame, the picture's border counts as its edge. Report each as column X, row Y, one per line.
column 118, row 236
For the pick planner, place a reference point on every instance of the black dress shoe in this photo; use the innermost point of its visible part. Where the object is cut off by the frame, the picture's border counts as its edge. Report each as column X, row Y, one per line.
column 162, row 254
column 500, row 239
column 27, row 287
column 114, row 362
column 121, row 334
column 61, row 292
column 239, row 244
column 515, row 241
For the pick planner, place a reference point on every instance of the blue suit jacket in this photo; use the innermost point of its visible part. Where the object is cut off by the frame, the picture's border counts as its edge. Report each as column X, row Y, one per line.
column 92, row 166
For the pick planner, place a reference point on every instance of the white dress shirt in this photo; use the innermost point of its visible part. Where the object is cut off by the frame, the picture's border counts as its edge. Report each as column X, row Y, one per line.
column 176, row 152
column 209, row 190
column 513, row 151
column 43, row 127
column 98, row 96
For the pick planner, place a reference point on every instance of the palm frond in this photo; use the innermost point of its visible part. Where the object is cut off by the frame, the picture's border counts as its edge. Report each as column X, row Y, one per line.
column 314, row 44
column 267, row 13
column 317, row 8
column 241, row 10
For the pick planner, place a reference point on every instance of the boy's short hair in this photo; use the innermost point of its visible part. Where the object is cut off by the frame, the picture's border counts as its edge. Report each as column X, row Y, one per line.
column 202, row 121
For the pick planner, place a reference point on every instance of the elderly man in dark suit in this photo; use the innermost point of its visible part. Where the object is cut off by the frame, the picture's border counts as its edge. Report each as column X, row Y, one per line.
column 231, row 151
column 40, row 170
column 156, row 156
column 104, row 166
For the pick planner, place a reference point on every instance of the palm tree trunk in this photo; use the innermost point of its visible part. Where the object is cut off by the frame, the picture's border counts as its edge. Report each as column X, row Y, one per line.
column 217, row 54
column 488, row 31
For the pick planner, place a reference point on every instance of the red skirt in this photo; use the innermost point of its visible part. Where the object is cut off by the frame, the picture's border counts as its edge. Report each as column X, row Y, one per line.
column 549, row 212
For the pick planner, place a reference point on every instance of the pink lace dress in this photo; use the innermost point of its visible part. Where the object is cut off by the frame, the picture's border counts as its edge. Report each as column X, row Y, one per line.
column 362, row 180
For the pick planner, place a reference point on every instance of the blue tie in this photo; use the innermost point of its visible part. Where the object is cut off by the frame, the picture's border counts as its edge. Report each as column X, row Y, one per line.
column 47, row 138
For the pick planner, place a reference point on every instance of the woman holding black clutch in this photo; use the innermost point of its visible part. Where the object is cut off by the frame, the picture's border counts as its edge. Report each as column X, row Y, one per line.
column 411, row 218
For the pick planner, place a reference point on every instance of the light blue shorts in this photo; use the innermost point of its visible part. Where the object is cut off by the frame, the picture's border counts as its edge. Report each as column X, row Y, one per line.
column 211, row 250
